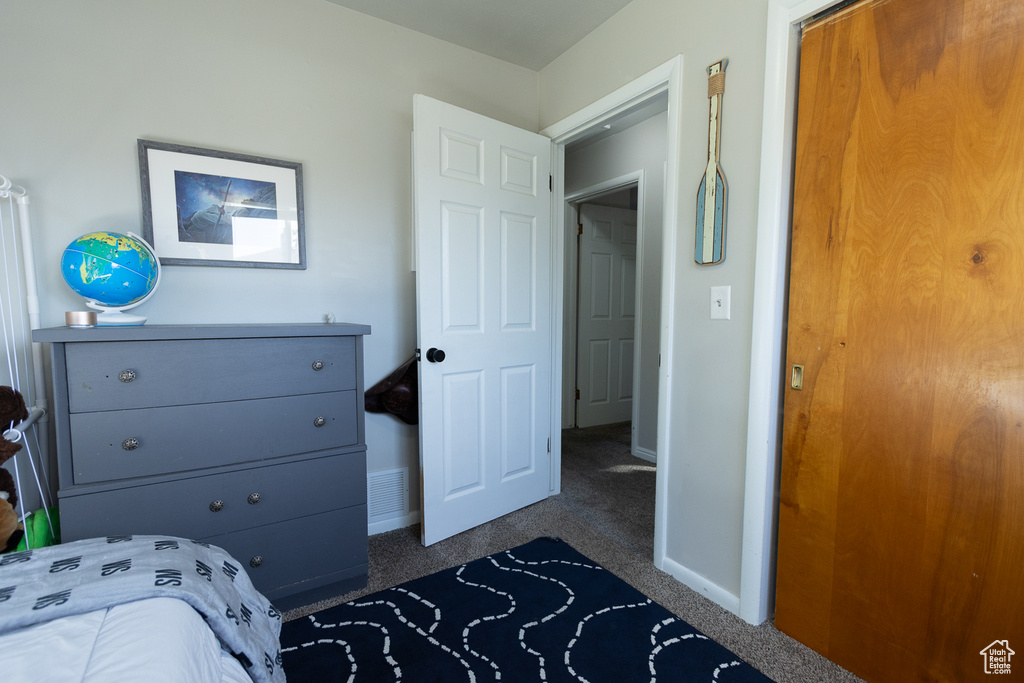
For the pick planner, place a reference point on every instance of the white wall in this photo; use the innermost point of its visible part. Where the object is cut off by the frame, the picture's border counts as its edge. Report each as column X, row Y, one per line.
column 639, row 148
column 302, row 80
column 711, row 359
column 306, row 80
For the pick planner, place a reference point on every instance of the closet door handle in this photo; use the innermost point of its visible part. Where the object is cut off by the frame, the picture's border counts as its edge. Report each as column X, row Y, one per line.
column 796, row 380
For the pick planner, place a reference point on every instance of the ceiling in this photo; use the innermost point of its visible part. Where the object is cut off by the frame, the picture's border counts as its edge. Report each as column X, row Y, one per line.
column 530, row 33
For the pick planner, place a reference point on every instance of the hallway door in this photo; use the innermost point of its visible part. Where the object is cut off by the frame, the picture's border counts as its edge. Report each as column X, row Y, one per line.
column 606, row 315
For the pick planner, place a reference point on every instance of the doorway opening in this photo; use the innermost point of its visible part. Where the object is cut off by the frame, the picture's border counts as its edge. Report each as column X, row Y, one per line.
column 614, row 195
column 598, row 447
column 613, row 183
column 598, row 120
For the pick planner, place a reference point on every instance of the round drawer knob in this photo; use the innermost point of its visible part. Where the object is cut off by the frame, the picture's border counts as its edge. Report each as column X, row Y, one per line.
column 318, row 365
column 253, row 498
column 126, row 376
column 130, row 444
column 319, row 422
column 256, row 561
column 217, row 506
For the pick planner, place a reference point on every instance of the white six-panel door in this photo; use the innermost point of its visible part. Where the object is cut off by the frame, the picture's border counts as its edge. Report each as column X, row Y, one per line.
column 607, row 315
column 483, row 277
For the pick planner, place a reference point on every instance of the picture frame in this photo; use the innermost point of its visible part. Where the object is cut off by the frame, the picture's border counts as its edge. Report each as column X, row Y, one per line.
column 205, row 207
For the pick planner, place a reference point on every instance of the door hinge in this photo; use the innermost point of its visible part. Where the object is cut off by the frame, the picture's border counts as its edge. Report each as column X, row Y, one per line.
column 551, row 183
column 549, row 444
column 417, row 354
column 579, row 229
column 577, row 394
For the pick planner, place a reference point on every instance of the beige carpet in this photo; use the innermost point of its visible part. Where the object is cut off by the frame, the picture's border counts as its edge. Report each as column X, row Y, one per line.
column 606, row 511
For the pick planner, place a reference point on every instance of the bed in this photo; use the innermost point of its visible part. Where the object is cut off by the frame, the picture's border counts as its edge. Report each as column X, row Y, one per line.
column 134, row 608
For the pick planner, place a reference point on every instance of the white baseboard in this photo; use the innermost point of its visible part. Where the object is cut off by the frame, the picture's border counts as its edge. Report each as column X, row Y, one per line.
column 712, row 591
column 383, row 525
column 646, row 454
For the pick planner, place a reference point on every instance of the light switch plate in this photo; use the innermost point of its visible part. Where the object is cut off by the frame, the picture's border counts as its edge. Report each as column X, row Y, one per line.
column 720, row 302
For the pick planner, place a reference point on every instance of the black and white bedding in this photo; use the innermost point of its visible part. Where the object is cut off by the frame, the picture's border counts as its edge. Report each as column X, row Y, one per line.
column 118, row 579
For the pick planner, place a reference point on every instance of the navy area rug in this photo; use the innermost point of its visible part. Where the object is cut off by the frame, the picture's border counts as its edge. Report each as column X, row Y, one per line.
column 539, row 612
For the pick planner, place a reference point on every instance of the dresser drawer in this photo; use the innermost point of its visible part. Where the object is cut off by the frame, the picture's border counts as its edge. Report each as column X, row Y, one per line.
column 170, row 429
column 181, row 438
column 183, row 507
column 298, row 550
column 135, row 374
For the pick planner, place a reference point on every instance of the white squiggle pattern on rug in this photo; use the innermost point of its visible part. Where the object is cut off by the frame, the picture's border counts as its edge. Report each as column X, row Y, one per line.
column 552, row 615
column 572, row 597
column 579, row 631
column 658, row 648
column 658, row 627
column 543, row 562
column 724, row 666
column 348, row 649
column 490, row 617
column 426, row 603
column 430, row 639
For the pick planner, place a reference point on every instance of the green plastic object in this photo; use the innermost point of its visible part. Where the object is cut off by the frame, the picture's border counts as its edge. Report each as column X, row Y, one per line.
column 37, row 530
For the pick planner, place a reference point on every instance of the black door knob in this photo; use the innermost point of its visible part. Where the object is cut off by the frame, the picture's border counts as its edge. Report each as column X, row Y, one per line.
column 435, row 355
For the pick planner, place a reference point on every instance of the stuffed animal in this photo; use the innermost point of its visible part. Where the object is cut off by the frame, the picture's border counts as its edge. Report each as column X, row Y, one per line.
column 11, row 530
column 7, row 490
column 12, row 412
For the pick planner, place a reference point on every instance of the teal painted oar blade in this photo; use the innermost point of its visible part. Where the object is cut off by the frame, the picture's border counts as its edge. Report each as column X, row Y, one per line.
column 718, row 236
column 698, row 250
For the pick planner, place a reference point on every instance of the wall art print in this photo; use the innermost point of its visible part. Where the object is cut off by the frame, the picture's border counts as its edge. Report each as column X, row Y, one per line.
column 204, row 207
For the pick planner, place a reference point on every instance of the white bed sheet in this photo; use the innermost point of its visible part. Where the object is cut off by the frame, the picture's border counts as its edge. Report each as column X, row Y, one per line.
column 159, row 640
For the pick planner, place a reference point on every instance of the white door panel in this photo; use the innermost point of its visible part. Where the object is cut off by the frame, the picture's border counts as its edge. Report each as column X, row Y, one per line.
column 607, row 315
column 483, row 297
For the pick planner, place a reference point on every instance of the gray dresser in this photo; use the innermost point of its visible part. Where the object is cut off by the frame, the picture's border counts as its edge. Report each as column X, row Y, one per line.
column 249, row 437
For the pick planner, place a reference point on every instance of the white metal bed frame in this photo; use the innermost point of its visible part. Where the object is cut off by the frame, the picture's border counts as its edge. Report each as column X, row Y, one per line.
column 19, row 315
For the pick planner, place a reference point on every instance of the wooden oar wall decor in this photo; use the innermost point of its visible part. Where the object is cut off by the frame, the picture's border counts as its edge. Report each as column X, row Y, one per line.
column 711, row 196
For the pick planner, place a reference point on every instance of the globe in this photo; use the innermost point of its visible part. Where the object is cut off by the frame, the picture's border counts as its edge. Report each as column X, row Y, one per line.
column 114, row 272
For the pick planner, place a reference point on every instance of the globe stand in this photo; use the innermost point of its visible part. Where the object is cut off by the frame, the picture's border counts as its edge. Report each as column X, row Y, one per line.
column 111, row 316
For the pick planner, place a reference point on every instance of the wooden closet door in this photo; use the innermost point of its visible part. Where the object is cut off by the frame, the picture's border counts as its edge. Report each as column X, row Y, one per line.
column 901, row 521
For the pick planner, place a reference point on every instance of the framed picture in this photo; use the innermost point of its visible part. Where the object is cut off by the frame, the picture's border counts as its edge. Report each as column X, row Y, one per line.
column 203, row 207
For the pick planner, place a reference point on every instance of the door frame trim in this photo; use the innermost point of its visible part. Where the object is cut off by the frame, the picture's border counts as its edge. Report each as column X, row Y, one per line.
column 771, row 269
column 665, row 78
column 573, row 202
